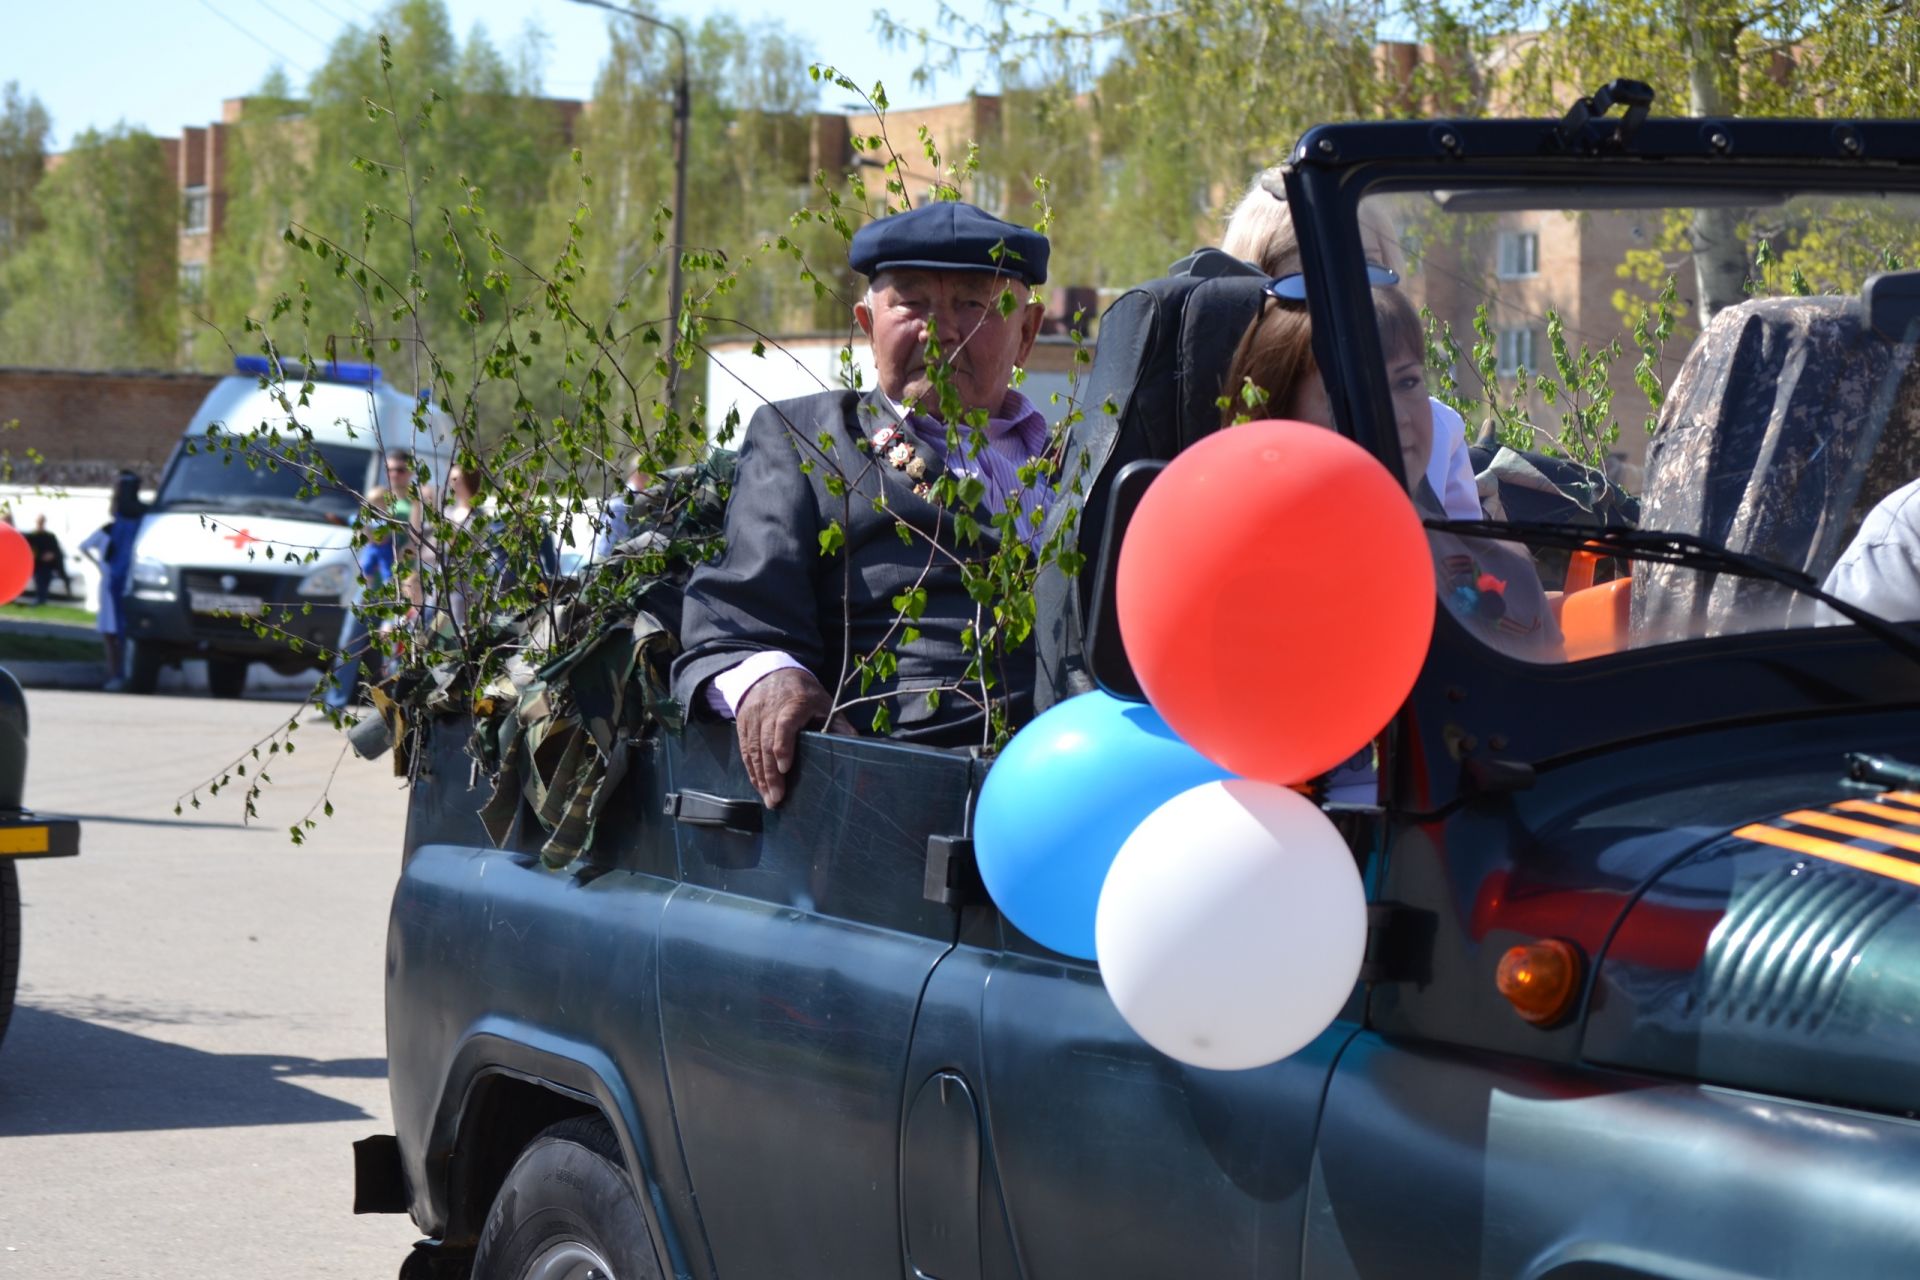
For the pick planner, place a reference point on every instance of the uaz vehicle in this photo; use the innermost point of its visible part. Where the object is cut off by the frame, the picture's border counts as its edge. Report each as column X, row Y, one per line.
column 799, row 1042
column 245, row 487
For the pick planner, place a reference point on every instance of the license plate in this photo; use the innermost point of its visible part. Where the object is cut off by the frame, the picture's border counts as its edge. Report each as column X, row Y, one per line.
column 220, row 602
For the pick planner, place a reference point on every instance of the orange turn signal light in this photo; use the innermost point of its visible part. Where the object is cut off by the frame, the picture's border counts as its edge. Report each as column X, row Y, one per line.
column 1540, row 979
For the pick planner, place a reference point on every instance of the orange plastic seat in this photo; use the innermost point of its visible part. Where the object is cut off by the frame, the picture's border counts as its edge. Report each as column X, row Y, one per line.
column 1594, row 620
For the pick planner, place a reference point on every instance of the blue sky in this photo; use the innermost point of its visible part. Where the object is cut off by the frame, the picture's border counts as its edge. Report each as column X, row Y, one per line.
column 163, row 64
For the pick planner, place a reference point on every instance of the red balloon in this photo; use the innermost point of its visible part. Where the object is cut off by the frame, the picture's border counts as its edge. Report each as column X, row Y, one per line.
column 1276, row 598
column 16, row 563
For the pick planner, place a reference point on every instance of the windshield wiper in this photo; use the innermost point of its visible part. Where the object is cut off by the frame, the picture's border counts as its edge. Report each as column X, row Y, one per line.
column 1682, row 550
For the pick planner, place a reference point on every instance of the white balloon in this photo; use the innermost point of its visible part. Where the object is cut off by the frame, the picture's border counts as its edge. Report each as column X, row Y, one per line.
column 1232, row 925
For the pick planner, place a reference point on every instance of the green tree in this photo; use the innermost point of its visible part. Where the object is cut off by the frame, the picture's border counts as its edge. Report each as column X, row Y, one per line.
column 1731, row 58
column 98, row 288
column 459, row 127
column 748, row 143
column 1162, row 116
column 23, row 161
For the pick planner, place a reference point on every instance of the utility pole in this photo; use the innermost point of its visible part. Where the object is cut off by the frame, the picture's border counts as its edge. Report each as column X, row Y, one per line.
column 682, row 100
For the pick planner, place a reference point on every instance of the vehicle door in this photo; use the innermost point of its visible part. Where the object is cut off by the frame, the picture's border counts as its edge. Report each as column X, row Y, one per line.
column 792, row 959
column 1043, row 1139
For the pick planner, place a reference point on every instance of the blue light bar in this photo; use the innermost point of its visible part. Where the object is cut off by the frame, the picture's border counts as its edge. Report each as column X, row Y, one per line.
column 332, row 371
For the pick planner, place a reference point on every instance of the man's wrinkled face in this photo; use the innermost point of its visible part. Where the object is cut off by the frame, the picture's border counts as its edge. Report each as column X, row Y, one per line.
column 977, row 341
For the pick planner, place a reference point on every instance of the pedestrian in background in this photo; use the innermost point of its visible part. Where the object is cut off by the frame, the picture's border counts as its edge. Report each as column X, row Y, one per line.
column 618, row 517
column 111, row 548
column 49, row 560
column 377, row 566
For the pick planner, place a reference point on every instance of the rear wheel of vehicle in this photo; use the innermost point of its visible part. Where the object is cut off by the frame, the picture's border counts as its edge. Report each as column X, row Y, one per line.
column 143, row 667
column 567, row 1211
column 226, row 677
column 9, row 941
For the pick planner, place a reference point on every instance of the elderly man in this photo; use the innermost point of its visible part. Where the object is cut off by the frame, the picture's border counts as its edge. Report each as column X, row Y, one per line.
column 774, row 629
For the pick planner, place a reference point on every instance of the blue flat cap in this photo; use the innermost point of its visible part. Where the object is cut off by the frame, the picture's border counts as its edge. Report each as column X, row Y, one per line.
column 946, row 235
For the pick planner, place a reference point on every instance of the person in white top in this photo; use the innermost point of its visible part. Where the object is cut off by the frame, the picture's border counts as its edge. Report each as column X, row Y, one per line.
column 1880, row 569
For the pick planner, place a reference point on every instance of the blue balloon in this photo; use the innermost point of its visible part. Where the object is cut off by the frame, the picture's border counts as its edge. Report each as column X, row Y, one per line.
column 1061, row 800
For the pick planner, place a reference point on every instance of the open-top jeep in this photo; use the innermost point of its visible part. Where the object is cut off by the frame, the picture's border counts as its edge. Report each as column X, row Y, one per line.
column 1642, row 991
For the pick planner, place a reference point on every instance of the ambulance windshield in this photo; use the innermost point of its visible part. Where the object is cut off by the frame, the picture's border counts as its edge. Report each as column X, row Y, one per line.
column 312, row 481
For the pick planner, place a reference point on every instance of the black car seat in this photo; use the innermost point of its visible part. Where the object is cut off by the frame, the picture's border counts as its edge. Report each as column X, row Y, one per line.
column 1789, row 419
column 1157, row 376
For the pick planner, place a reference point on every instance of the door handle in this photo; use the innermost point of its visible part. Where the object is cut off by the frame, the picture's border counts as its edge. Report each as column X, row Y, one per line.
column 699, row 809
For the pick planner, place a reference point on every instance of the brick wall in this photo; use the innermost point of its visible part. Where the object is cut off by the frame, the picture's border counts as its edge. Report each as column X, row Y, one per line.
column 87, row 425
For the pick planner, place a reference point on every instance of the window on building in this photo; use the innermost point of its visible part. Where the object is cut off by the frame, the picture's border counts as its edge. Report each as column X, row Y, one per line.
column 1519, row 254
column 193, row 278
column 990, row 192
column 1517, row 349
column 196, row 210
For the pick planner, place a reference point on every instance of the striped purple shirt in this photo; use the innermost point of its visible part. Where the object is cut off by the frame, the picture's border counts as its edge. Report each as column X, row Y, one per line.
column 1015, row 436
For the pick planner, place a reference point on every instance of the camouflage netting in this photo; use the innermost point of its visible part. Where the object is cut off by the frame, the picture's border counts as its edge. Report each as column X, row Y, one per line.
column 1758, row 450
column 558, row 694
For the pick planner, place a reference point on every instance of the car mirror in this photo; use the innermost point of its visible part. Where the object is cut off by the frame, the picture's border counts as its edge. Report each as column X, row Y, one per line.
column 1106, row 655
column 1892, row 303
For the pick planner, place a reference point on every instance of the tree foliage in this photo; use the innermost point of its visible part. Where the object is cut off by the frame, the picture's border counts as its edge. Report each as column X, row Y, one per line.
column 23, row 159
column 1711, row 58
column 98, row 286
column 1156, row 118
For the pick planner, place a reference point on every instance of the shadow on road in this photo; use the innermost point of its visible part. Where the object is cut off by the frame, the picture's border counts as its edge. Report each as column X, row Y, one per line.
column 64, row 1075
column 155, row 822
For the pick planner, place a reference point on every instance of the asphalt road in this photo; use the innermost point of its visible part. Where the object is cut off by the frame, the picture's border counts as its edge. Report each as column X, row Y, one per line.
column 199, row 1034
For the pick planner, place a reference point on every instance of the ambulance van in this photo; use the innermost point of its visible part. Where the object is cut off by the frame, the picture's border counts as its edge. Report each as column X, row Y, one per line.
column 240, row 538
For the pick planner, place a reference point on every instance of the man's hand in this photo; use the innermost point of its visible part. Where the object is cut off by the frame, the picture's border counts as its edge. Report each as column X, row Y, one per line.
column 770, row 717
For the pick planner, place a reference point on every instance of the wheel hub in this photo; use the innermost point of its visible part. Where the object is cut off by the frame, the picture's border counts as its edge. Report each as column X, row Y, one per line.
column 569, row 1260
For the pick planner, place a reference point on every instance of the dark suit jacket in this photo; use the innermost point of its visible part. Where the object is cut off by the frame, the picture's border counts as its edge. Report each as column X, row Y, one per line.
column 774, row 589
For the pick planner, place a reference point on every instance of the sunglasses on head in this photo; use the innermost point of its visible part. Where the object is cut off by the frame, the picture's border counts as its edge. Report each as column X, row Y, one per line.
column 1293, row 288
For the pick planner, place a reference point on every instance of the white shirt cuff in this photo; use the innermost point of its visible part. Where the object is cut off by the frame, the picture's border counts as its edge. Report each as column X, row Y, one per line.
column 725, row 691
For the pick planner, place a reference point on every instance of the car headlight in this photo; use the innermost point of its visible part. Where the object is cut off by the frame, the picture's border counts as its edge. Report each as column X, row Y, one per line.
column 331, row 581
column 151, row 575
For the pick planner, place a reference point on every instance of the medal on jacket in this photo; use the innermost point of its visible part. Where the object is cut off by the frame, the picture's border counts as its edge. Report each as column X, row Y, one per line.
column 894, row 445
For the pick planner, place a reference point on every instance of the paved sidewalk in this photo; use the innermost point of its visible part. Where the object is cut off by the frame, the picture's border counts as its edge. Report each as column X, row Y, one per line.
column 201, row 1032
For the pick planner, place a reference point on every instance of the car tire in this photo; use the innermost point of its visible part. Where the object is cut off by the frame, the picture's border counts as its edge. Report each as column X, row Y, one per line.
column 9, row 941
column 567, row 1208
column 143, row 667
column 226, row 677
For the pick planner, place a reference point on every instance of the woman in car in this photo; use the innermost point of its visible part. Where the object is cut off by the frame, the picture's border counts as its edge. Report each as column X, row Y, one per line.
column 1491, row 586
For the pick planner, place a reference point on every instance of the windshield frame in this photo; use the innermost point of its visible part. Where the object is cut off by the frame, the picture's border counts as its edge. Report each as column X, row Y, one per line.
column 1472, row 701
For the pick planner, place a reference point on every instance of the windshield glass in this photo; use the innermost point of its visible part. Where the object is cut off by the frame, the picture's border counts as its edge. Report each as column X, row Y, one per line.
column 264, row 479
column 1680, row 360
